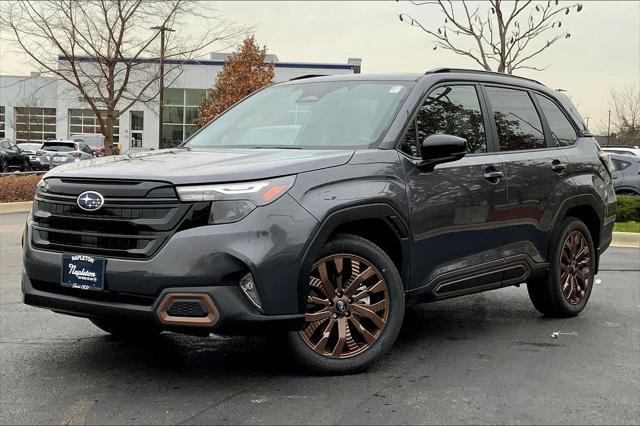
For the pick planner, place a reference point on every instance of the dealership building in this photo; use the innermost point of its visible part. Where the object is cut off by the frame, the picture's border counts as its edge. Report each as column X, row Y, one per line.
column 36, row 108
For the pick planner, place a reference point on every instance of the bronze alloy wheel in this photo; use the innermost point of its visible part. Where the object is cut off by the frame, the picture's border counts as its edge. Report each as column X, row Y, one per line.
column 347, row 306
column 575, row 267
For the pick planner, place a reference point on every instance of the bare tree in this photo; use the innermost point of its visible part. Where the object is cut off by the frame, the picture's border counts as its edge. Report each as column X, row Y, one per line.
column 625, row 116
column 502, row 38
column 107, row 49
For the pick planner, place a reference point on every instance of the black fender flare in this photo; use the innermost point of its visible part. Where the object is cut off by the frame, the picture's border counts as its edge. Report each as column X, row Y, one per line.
column 341, row 216
column 580, row 200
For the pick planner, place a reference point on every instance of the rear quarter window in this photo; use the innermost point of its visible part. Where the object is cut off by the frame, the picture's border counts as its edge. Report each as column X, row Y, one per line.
column 621, row 165
column 562, row 131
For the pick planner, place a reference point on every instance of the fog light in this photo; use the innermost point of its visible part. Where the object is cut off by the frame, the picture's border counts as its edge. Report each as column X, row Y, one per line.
column 248, row 287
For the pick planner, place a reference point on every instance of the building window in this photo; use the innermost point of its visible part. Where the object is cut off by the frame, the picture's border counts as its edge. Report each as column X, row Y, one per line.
column 137, row 128
column 2, row 121
column 85, row 121
column 179, row 112
column 35, row 124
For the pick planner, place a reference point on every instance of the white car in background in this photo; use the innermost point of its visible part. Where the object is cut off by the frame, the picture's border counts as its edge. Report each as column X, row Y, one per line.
column 56, row 152
column 622, row 149
column 30, row 149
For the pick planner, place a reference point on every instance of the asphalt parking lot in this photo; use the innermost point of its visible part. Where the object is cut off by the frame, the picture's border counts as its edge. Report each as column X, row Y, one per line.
column 487, row 358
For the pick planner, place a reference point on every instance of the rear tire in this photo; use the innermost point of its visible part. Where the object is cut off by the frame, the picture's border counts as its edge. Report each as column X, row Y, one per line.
column 26, row 166
column 126, row 329
column 565, row 290
column 356, row 298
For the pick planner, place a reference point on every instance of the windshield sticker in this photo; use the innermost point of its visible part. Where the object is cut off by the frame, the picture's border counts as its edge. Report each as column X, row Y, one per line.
column 395, row 89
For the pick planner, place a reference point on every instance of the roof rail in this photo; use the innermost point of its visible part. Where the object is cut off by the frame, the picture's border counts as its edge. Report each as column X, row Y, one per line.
column 462, row 70
column 302, row 77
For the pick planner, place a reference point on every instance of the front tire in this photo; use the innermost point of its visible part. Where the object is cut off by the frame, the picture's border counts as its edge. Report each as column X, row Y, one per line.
column 355, row 308
column 125, row 329
column 565, row 290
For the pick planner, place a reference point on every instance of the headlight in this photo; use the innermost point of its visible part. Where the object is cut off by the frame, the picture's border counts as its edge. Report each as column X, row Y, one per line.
column 234, row 201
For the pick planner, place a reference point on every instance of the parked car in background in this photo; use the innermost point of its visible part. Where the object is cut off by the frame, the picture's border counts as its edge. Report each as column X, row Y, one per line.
column 12, row 158
column 29, row 149
column 623, row 149
column 95, row 142
column 137, row 149
column 626, row 174
column 55, row 153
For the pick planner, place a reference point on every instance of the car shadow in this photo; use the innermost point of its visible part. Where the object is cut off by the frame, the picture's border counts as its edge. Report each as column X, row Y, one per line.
column 193, row 357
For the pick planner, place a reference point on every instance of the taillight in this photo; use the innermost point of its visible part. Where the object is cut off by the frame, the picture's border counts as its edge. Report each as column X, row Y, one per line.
column 606, row 160
column 76, row 154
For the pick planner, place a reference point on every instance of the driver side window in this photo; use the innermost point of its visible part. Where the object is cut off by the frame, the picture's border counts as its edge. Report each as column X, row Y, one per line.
column 453, row 110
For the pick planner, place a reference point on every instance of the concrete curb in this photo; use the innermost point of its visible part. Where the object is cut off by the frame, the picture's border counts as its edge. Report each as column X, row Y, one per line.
column 620, row 239
column 626, row 239
column 23, row 206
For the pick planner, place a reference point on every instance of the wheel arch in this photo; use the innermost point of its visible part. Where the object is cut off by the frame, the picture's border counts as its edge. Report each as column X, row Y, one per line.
column 591, row 212
column 627, row 190
column 379, row 223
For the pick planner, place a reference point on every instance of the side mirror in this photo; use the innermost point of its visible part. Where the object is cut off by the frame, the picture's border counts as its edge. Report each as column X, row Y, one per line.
column 442, row 148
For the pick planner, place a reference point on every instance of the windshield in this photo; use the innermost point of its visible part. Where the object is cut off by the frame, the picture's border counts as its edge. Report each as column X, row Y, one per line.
column 29, row 146
column 59, row 146
column 337, row 114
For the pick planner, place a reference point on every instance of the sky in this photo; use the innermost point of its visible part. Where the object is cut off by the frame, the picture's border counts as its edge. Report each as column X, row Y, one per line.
column 602, row 53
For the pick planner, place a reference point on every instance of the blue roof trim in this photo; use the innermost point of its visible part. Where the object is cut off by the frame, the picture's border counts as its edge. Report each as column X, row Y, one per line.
column 221, row 63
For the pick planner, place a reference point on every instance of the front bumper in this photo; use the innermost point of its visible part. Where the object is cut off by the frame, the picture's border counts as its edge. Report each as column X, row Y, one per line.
column 236, row 315
column 269, row 243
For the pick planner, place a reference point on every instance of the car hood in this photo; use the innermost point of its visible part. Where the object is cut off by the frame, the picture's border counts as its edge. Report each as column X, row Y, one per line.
column 191, row 166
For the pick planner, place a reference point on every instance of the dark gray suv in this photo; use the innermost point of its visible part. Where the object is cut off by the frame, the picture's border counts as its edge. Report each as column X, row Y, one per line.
column 320, row 206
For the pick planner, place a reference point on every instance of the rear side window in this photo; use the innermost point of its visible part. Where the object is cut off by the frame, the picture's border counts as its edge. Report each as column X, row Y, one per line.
column 452, row 110
column 517, row 121
column 562, row 131
column 620, row 165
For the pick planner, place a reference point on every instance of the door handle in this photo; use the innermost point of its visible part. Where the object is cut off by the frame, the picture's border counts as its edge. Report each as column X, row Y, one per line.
column 558, row 166
column 492, row 175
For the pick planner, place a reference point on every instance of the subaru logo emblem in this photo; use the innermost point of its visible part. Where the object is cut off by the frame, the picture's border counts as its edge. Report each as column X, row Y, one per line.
column 90, row 201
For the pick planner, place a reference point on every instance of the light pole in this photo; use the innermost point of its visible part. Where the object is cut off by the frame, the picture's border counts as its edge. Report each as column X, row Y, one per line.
column 609, row 129
column 162, row 29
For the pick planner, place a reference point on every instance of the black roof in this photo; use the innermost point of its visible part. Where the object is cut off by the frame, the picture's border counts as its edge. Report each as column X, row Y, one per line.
column 482, row 72
column 360, row 77
column 452, row 72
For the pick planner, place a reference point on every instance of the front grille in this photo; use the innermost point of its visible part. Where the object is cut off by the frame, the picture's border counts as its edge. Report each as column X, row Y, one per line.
column 134, row 222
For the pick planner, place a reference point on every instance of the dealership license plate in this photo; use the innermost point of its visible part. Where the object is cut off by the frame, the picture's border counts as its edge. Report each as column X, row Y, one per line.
column 83, row 272
column 59, row 158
